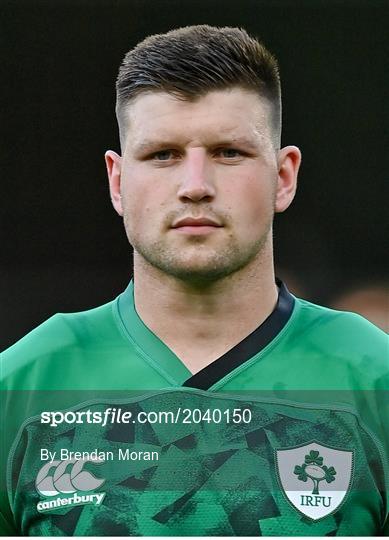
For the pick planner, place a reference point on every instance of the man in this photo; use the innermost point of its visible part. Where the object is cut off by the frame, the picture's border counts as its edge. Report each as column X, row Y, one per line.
column 242, row 410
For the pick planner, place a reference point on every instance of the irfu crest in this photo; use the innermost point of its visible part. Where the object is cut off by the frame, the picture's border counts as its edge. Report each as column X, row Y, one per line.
column 315, row 478
column 314, row 469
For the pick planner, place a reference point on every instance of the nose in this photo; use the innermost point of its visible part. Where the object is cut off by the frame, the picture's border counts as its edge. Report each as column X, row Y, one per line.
column 196, row 182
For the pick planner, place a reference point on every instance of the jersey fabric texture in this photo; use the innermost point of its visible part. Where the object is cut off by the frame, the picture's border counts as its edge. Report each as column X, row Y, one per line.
column 287, row 434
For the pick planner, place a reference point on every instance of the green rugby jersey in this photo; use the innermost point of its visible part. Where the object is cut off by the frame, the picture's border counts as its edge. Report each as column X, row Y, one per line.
column 285, row 435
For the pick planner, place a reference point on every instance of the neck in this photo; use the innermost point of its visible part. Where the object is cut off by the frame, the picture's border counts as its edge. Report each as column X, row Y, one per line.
column 201, row 323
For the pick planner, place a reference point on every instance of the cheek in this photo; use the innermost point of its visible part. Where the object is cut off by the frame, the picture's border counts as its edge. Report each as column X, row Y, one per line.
column 144, row 203
column 254, row 201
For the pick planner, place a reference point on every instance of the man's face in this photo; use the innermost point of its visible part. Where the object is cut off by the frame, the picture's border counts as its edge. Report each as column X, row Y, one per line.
column 188, row 162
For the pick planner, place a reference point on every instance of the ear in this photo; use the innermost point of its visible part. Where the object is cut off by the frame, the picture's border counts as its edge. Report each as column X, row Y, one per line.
column 114, row 163
column 289, row 159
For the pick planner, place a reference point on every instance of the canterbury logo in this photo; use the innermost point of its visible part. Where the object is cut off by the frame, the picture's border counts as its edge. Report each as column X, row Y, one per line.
column 66, row 476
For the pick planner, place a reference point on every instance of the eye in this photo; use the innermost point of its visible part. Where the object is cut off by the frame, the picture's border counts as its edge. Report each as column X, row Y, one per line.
column 229, row 153
column 163, row 155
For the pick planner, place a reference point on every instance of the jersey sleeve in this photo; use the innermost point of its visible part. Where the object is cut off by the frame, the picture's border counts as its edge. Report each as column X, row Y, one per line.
column 6, row 529
column 385, row 530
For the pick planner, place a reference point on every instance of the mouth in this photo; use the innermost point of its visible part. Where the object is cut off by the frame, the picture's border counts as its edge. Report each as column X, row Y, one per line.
column 196, row 226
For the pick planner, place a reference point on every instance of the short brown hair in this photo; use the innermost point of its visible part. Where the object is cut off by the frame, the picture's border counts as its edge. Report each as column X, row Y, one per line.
column 192, row 61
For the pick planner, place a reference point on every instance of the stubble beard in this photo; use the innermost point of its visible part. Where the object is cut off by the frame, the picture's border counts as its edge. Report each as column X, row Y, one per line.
column 199, row 264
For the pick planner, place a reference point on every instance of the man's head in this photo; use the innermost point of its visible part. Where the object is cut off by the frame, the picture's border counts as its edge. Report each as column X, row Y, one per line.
column 199, row 116
column 192, row 61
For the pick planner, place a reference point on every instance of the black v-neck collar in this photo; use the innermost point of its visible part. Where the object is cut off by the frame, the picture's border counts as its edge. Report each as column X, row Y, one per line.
column 249, row 346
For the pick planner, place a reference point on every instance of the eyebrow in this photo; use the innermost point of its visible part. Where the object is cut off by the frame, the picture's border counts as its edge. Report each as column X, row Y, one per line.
column 239, row 141
column 154, row 144
column 150, row 144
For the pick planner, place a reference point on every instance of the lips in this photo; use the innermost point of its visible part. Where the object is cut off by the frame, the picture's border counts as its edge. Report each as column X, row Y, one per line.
column 195, row 222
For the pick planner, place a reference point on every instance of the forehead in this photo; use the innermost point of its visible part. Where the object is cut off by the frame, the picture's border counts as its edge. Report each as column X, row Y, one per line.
column 234, row 113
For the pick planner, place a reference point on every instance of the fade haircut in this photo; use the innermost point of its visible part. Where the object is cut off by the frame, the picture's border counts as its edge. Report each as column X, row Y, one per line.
column 189, row 62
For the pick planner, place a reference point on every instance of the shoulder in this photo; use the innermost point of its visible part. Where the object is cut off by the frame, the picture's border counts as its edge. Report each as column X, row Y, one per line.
column 61, row 333
column 344, row 335
column 345, row 323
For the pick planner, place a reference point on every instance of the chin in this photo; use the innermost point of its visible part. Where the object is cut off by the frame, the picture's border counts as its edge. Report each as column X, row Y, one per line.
column 197, row 273
column 196, row 264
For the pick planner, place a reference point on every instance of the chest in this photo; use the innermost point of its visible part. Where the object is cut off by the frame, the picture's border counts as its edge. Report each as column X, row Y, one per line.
column 185, row 463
